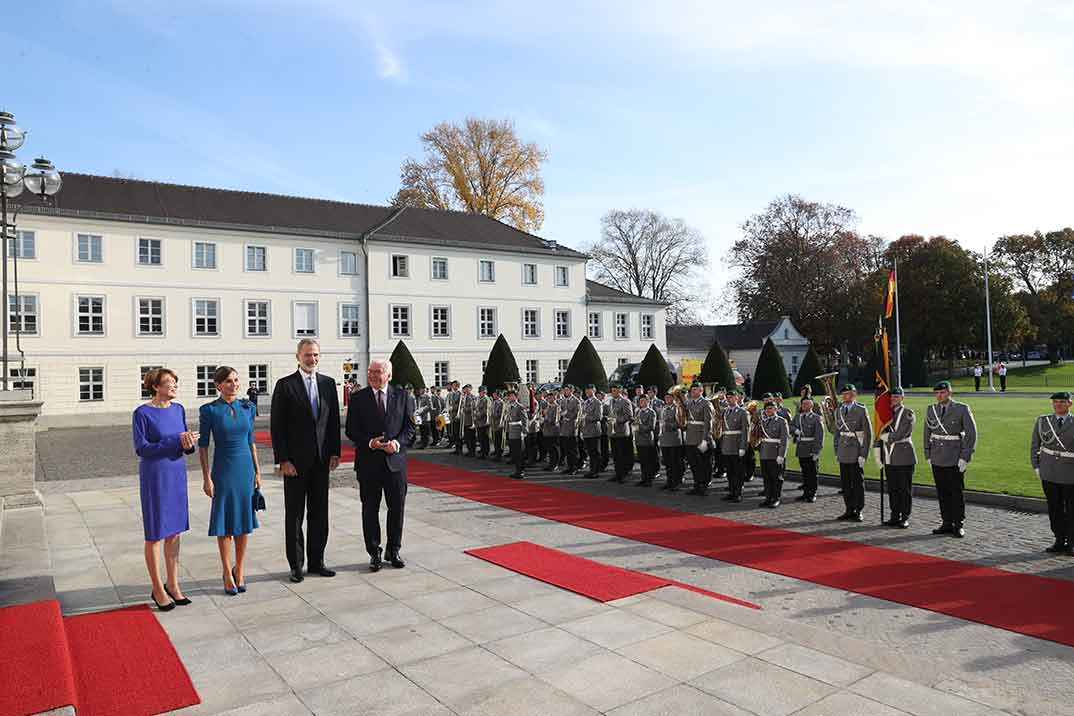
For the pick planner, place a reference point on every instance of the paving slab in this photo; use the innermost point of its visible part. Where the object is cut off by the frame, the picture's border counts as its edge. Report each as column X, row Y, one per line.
column 499, row 622
column 544, row 650
column 680, row 656
column 522, row 697
column 607, row 680
column 917, row 699
column 384, row 693
column 815, row 664
column 762, row 688
column 414, row 643
column 615, row 628
column 453, row 678
column 325, row 664
column 733, row 636
column 684, row 699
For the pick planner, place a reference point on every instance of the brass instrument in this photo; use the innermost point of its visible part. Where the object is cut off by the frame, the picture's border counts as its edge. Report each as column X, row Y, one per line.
column 719, row 420
column 458, row 411
column 830, row 404
column 677, row 394
column 756, row 433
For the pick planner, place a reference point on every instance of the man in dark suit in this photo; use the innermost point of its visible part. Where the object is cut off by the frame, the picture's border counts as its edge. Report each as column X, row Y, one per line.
column 380, row 422
column 306, row 446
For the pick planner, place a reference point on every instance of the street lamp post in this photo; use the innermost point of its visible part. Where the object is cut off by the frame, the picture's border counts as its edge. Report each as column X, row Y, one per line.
column 41, row 180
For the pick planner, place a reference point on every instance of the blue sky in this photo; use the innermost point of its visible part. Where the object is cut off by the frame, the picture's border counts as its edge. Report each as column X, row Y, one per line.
column 924, row 117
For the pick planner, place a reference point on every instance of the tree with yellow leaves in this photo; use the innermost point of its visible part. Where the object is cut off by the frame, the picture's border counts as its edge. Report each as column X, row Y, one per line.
column 480, row 166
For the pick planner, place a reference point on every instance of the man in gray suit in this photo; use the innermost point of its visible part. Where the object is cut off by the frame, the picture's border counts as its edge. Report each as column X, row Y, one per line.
column 897, row 456
column 569, row 409
column 773, row 450
column 592, row 414
column 645, row 439
column 733, row 444
column 950, row 439
column 852, row 438
column 1052, row 457
column 808, row 429
column 622, row 421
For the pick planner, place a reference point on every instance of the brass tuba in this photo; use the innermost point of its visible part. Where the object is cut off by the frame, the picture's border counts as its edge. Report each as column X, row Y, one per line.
column 680, row 405
column 830, row 404
column 756, row 433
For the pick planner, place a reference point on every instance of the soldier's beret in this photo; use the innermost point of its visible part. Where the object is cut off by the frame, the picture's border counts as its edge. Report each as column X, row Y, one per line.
column 614, row 385
column 897, row 391
column 1061, row 395
column 942, row 385
column 590, row 386
column 848, row 387
column 482, row 389
column 767, row 396
column 467, row 386
column 778, row 395
column 695, row 384
column 769, row 403
column 652, row 388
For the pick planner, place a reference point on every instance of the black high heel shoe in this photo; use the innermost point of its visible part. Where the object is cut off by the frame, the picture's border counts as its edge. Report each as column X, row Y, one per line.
column 181, row 602
column 162, row 607
column 240, row 587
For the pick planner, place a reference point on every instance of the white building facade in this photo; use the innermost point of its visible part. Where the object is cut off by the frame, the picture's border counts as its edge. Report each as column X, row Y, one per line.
column 741, row 341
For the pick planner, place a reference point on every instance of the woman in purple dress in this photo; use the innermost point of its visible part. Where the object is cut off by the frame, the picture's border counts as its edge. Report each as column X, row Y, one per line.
column 161, row 439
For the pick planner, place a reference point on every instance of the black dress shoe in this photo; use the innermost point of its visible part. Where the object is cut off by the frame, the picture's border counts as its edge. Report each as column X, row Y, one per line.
column 811, row 498
column 844, row 516
column 958, row 532
column 942, row 530
column 856, row 517
column 893, row 522
column 765, row 503
column 181, row 602
column 801, row 498
column 1069, row 550
column 519, row 476
column 736, row 498
column 773, row 504
column 296, row 575
column 395, row 561
column 903, row 524
column 1054, row 549
column 375, row 563
column 323, row 571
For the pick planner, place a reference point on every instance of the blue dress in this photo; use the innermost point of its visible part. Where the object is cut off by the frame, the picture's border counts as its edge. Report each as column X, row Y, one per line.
column 162, row 469
column 232, row 429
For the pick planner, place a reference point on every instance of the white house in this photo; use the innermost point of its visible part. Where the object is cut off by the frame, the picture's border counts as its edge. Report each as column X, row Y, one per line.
column 741, row 341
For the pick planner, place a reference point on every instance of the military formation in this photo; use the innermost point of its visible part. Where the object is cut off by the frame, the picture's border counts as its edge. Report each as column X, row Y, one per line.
column 718, row 434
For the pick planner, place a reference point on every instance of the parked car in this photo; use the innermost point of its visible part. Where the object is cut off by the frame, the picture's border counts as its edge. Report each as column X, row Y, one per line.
column 1035, row 355
column 627, row 374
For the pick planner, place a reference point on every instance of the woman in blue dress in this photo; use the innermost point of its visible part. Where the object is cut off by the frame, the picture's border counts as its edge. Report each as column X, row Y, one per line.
column 234, row 475
column 161, row 439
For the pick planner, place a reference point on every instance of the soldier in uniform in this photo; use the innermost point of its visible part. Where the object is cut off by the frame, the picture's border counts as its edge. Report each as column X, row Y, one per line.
column 645, row 439
column 852, row 438
column 515, row 419
column 482, row 414
column 809, row 438
column 424, row 407
column 698, row 433
column 550, row 432
column 654, row 398
column 496, row 424
column 775, row 438
column 533, row 433
column 622, row 435
column 733, row 444
column 436, row 400
column 898, row 457
column 639, row 391
column 950, row 439
column 605, row 438
column 454, row 428
column 669, row 439
column 592, row 417
column 469, row 431
column 569, row 409
column 1052, row 456
column 782, row 410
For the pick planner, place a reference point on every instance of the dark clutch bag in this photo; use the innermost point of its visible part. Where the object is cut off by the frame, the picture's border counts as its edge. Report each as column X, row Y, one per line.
column 259, row 500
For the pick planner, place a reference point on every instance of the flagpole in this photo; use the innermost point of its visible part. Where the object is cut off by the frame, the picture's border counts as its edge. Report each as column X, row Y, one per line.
column 898, row 342
column 988, row 324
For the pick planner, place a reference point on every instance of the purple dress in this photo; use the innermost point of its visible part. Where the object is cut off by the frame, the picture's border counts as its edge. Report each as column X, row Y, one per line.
column 162, row 470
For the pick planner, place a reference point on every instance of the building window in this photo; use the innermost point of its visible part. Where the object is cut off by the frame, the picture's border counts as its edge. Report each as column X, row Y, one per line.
column 147, row 393
column 256, row 258
column 23, row 378
column 486, row 323
column 149, row 252
column 622, row 361
column 486, row 271
column 621, row 327
column 90, row 316
column 439, row 269
column 150, row 316
column 562, row 369
column 441, row 321
column 204, row 255
column 205, row 387
column 529, row 274
column 23, row 314
column 794, row 365
column 90, row 384
column 258, row 322
column 484, row 365
column 562, row 276
column 786, row 333
column 440, row 372
column 303, row 260
column 348, row 320
column 594, row 324
column 400, row 266
column 305, row 317
column 348, row 263
column 531, row 370
column 259, row 377
column 563, row 324
column 22, row 246
column 90, row 249
column 400, row 320
column 206, row 317
column 531, row 323
column 647, row 326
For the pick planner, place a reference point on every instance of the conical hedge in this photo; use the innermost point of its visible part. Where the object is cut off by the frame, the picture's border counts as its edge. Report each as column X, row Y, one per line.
column 654, row 371
column 716, row 368
column 501, row 367
column 809, row 370
column 585, row 367
column 771, row 374
column 404, row 370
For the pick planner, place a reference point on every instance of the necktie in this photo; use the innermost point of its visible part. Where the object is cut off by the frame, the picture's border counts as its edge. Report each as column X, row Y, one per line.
column 315, row 404
column 380, row 402
column 1060, row 423
column 943, row 411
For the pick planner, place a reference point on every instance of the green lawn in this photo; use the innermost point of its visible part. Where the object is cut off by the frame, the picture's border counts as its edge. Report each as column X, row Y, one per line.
column 1033, row 379
column 1001, row 461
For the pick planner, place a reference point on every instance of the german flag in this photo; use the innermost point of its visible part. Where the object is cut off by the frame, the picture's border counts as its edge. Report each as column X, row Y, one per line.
column 882, row 400
column 889, row 304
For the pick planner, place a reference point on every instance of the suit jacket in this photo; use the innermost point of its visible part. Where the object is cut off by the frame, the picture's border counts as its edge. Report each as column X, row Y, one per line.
column 364, row 422
column 296, row 437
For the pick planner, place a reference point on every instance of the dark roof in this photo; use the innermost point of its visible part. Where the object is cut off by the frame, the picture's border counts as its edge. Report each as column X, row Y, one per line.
column 101, row 197
column 599, row 292
column 751, row 334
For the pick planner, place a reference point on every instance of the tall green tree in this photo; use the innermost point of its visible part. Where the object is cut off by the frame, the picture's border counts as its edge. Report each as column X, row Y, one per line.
column 404, row 370
column 586, row 367
column 654, row 371
column 807, row 372
column 717, row 368
column 771, row 373
column 500, row 368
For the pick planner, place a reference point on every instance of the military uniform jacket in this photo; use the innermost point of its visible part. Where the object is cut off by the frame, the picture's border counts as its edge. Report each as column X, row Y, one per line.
column 454, row 397
column 622, row 414
column 515, row 418
column 534, row 425
column 550, row 424
column 775, row 436
column 425, row 408
column 698, row 421
column 853, row 433
column 784, row 412
column 482, row 411
column 646, row 430
column 438, row 405
column 668, row 434
column 592, row 413
column 605, row 415
column 809, row 429
column 736, row 430
column 898, row 449
column 469, row 407
column 569, row 409
column 1052, row 449
column 950, row 435
column 496, row 414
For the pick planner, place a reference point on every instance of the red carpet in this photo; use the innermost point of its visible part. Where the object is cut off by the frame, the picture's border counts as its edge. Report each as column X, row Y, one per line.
column 603, row 582
column 1027, row 604
column 114, row 663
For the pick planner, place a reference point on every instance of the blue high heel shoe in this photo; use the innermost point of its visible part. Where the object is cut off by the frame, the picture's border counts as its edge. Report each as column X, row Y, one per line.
column 230, row 591
column 240, row 587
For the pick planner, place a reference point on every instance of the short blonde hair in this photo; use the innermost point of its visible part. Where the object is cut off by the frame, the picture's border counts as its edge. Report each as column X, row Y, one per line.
column 153, row 378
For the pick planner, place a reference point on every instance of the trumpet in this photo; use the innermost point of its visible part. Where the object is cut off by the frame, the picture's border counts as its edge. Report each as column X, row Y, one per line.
column 829, row 405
